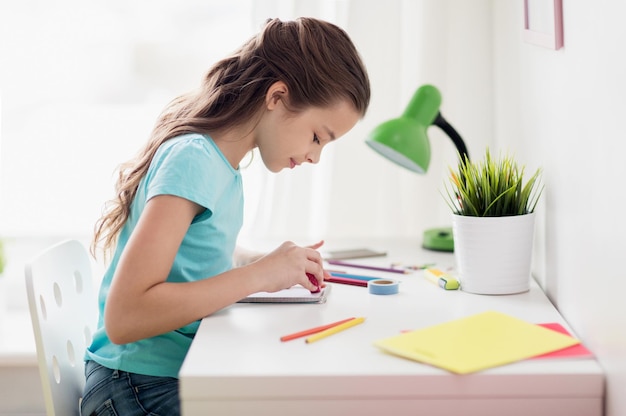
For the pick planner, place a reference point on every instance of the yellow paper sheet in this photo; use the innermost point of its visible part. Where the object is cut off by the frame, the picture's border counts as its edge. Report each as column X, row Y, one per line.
column 475, row 343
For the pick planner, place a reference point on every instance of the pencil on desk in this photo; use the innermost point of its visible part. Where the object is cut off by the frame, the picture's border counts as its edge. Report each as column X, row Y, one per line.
column 346, row 281
column 354, row 276
column 365, row 266
column 334, row 330
column 312, row 330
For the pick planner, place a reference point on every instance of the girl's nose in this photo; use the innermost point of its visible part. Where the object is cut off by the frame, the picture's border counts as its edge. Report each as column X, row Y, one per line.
column 313, row 157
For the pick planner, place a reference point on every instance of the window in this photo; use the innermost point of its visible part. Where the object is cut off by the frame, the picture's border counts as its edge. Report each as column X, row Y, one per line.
column 81, row 86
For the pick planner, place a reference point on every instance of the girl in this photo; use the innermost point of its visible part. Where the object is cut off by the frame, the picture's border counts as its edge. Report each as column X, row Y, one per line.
column 172, row 228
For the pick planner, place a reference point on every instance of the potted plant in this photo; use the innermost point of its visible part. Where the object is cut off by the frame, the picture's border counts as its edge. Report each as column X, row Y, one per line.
column 493, row 223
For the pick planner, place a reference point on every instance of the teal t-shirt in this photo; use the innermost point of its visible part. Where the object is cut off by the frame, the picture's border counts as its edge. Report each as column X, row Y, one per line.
column 190, row 166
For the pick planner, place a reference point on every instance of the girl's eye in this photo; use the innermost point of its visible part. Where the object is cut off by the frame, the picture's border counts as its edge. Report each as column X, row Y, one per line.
column 316, row 139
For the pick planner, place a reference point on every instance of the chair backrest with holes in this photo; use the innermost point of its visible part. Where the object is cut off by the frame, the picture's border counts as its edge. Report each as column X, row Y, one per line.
column 64, row 315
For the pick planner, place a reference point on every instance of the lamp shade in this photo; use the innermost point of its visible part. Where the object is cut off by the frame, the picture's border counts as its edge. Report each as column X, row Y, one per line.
column 404, row 140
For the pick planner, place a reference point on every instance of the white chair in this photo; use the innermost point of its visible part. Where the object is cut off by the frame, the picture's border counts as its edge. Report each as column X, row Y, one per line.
column 63, row 312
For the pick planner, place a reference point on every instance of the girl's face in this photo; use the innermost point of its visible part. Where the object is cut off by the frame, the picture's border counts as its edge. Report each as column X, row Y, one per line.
column 287, row 140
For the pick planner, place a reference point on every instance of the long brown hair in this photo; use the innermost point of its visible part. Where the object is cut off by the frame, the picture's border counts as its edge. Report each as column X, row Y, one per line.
column 315, row 59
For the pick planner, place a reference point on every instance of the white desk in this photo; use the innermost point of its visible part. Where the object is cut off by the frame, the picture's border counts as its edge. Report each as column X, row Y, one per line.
column 238, row 366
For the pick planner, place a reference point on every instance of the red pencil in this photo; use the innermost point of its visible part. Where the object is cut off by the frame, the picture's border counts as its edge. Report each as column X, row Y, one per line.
column 346, row 281
column 313, row 330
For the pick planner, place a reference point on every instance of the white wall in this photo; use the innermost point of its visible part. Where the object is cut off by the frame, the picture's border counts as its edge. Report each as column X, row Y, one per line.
column 565, row 110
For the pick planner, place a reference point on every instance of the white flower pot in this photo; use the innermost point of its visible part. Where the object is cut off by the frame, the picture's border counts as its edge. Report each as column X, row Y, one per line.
column 493, row 254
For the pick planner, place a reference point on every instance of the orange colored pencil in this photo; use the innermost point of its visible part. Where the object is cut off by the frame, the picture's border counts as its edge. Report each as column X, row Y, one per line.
column 313, row 330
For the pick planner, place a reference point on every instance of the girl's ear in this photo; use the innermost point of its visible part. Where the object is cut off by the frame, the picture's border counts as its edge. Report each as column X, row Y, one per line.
column 276, row 92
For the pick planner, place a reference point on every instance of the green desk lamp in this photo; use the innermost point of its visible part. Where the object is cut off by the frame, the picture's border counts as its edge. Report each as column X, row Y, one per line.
column 404, row 141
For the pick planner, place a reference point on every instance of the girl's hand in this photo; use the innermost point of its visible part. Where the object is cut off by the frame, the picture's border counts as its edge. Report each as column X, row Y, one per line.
column 289, row 264
column 326, row 274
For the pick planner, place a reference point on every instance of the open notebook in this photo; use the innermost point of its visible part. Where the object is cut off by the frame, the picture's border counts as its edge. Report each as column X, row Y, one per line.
column 295, row 294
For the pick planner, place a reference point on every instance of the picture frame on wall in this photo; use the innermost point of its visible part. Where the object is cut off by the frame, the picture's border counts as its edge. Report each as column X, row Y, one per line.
column 543, row 23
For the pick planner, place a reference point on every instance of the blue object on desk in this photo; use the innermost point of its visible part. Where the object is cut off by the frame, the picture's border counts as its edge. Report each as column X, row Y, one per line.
column 383, row 287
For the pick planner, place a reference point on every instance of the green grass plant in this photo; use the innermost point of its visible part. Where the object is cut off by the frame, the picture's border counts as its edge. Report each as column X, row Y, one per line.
column 492, row 188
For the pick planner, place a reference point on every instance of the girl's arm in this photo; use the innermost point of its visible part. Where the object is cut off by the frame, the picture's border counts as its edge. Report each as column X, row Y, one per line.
column 141, row 304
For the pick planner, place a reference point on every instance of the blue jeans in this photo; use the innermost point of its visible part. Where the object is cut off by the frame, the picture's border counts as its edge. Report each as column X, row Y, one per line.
column 118, row 393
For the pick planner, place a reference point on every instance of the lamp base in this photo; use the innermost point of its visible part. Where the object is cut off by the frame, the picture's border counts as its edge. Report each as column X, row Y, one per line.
column 438, row 239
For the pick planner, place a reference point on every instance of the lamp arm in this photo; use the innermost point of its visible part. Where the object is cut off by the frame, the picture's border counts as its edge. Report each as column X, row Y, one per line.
column 453, row 134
